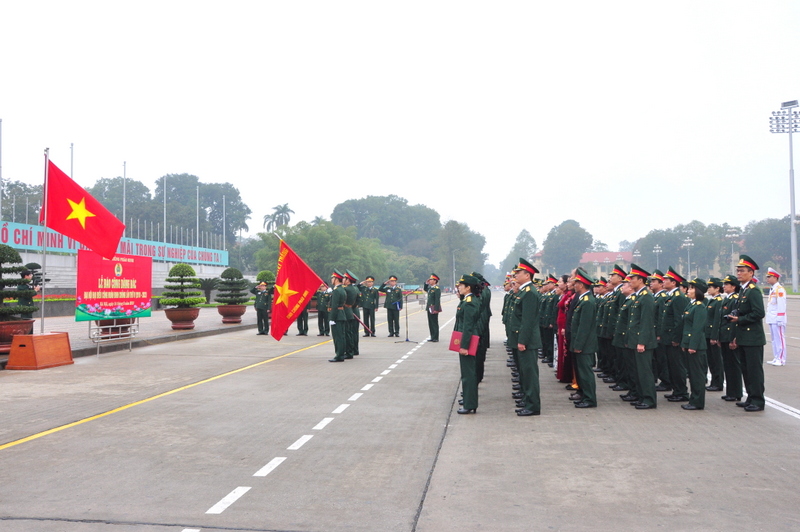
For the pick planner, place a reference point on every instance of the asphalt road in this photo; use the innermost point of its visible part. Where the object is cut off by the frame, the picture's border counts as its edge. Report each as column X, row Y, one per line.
column 240, row 432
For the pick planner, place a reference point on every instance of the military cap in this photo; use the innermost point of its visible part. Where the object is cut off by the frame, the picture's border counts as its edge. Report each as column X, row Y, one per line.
column 582, row 277
column 551, row 279
column 618, row 270
column 773, row 273
column 699, row 284
column 526, row 266
column 715, row 281
column 730, row 279
column 434, row 277
column 747, row 262
column 602, row 281
column 657, row 275
column 638, row 271
column 675, row 276
column 470, row 280
column 351, row 276
column 369, row 278
column 336, row 273
column 392, row 277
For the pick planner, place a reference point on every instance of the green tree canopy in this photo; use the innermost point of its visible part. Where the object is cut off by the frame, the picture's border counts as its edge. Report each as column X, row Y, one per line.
column 525, row 246
column 564, row 246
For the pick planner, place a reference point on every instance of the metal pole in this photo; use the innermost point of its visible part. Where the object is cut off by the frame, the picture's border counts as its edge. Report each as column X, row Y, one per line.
column 44, row 240
column 2, row 189
column 223, row 223
column 124, row 176
column 197, row 225
column 791, row 196
column 71, row 157
column 165, row 209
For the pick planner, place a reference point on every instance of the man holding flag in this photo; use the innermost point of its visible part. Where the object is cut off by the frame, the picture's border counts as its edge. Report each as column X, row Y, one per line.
column 295, row 285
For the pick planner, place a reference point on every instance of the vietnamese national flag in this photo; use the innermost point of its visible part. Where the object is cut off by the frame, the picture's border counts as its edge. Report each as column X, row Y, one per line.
column 74, row 213
column 295, row 285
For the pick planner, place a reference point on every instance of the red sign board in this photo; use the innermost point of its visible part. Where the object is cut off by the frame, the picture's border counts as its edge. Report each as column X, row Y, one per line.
column 117, row 288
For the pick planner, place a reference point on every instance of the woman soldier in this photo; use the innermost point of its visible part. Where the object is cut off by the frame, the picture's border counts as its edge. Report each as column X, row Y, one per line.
column 467, row 323
column 730, row 360
column 694, row 343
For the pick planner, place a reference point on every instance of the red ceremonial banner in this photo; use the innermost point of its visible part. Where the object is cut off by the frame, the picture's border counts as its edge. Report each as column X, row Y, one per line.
column 295, row 285
column 116, row 288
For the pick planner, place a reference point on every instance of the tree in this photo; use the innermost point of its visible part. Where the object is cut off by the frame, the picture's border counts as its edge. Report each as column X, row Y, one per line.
column 280, row 217
column 17, row 196
column 138, row 202
column 525, row 247
column 565, row 245
column 769, row 240
column 459, row 250
column 599, row 246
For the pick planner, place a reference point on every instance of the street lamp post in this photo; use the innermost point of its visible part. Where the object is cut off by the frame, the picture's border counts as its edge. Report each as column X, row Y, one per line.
column 454, row 269
column 788, row 121
column 657, row 251
column 688, row 244
column 732, row 234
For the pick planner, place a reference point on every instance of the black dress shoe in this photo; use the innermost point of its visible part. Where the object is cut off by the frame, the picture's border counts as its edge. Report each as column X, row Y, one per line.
column 690, row 407
column 584, row 404
column 730, row 398
column 465, row 411
column 568, row 387
column 364, row 335
column 320, row 335
column 609, row 380
column 662, row 388
column 602, row 375
column 336, row 360
column 434, row 341
column 597, row 370
column 635, row 403
column 669, row 395
column 515, row 375
column 618, row 388
column 461, row 401
column 576, row 397
column 515, row 380
column 517, row 395
column 678, row 399
column 753, row 408
column 628, row 398
column 645, row 407
column 515, row 386
column 551, row 364
column 742, row 404
column 713, row 388
column 519, row 404
column 526, row 412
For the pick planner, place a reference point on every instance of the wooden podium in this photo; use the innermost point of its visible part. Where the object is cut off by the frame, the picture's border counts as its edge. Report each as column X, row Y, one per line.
column 39, row 351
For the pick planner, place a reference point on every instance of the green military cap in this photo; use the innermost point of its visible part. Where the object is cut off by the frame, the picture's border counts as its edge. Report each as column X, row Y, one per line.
column 602, row 281
column 618, row 270
column 730, row 279
column 392, row 277
column 699, row 284
column 351, row 276
column 715, row 281
column 582, row 277
column 638, row 271
column 336, row 273
column 434, row 277
column 369, row 278
column 747, row 262
column 470, row 280
column 524, row 265
column 657, row 275
column 675, row 276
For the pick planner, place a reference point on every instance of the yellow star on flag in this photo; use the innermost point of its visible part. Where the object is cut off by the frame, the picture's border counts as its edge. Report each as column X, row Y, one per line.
column 284, row 293
column 79, row 212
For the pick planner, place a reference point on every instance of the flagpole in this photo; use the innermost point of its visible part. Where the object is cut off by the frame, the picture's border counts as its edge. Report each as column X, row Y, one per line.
column 44, row 240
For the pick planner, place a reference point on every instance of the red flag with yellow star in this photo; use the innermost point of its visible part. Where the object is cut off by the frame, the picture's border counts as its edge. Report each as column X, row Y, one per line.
column 295, row 285
column 74, row 213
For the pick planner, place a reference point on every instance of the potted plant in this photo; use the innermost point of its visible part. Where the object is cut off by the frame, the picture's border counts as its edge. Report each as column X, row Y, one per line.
column 182, row 297
column 231, row 292
column 10, row 321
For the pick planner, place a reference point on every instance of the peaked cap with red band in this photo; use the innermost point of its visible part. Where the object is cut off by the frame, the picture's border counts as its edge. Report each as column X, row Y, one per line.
column 583, row 277
column 337, row 274
column 619, row 271
column 675, row 276
column 638, row 271
column 773, row 273
column 526, row 266
column 657, row 275
column 747, row 262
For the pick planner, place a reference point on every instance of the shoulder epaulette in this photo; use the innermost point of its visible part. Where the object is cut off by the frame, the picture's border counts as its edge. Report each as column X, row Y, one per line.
column 751, row 285
column 468, row 299
column 585, row 298
column 527, row 288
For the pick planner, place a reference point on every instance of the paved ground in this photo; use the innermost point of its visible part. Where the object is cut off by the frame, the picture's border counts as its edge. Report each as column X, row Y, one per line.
column 240, row 432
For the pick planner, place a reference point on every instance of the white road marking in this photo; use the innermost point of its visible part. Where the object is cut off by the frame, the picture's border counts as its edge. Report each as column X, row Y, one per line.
column 267, row 469
column 393, row 366
column 399, row 361
column 299, row 443
column 386, row 372
column 404, row 357
column 355, row 396
column 227, row 500
column 341, row 408
column 367, row 387
column 786, row 409
column 191, row 530
column 321, row 425
column 377, row 379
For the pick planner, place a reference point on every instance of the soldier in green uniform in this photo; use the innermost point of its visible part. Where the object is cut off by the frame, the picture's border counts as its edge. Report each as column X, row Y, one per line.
column 393, row 303
column 483, row 325
column 351, row 330
column 694, row 343
column 749, row 338
column 525, row 338
column 369, row 302
column 433, row 305
column 620, row 340
column 727, row 330
column 616, row 300
column 262, row 304
column 713, row 350
column 337, row 316
column 672, row 335
column 323, row 300
column 641, row 338
column 583, row 338
column 547, row 317
column 302, row 322
column 660, row 364
column 467, row 317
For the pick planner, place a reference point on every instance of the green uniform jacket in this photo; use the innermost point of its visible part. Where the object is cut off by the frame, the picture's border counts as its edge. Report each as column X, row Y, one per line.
column 613, row 306
column 508, row 300
column 727, row 329
column 324, row 300
column 467, row 317
column 673, row 317
column 641, row 317
column 369, row 297
column 750, row 326
column 599, row 314
column 524, row 319
column 434, row 301
column 694, row 326
column 336, row 309
column 621, row 328
column 394, row 296
column 263, row 298
column 713, row 307
column 583, row 329
column 351, row 298
column 658, row 320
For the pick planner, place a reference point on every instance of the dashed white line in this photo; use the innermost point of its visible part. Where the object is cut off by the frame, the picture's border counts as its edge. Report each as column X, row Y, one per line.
column 355, row 396
column 299, row 443
column 341, row 408
column 227, row 500
column 377, row 379
column 393, row 366
column 367, row 387
column 191, row 530
column 786, row 409
column 404, row 357
column 267, row 469
column 399, row 361
column 386, row 372
column 321, row 425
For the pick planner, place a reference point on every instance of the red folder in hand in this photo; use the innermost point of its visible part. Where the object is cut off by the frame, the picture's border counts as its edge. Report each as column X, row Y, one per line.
column 455, row 343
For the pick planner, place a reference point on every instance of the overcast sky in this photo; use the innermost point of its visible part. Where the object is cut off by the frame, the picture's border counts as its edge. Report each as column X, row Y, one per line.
column 625, row 116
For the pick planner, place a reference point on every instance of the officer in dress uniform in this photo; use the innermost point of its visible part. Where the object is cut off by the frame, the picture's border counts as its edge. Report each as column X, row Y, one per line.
column 672, row 335
column 369, row 302
column 641, row 338
column 262, row 304
column 749, row 337
column 433, row 305
column 337, row 316
column 776, row 318
column 583, row 340
column 713, row 349
column 525, row 338
column 323, row 300
column 393, row 303
column 727, row 331
column 694, row 343
column 660, row 364
column 354, row 299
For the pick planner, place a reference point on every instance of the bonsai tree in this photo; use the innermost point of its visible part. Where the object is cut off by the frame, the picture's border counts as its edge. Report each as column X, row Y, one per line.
column 182, row 291
column 207, row 285
column 8, row 257
column 231, row 289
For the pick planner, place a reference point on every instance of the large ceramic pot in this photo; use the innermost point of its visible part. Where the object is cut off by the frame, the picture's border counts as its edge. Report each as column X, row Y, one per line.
column 182, row 318
column 115, row 328
column 231, row 313
column 9, row 328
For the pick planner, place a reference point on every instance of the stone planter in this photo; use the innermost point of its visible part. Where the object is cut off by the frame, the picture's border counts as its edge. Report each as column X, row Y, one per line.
column 182, row 318
column 231, row 313
column 9, row 328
